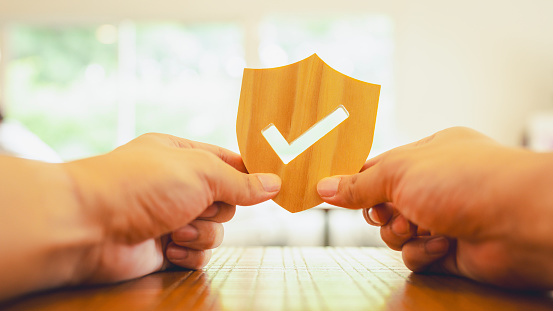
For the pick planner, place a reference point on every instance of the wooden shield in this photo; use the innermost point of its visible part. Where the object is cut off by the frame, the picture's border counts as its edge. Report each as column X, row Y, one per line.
column 292, row 99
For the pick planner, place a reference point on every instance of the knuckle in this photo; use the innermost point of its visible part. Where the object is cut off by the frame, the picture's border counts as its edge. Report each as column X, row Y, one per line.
column 200, row 259
column 390, row 239
column 150, row 137
column 225, row 181
column 207, row 162
column 179, row 142
column 249, row 186
column 425, row 140
column 352, row 192
column 349, row 190
column 211, row 235
column 215, row 236
column 205, row 157
column 226, row 213
column 242, row 192
column 197, row 259
column 218, row 238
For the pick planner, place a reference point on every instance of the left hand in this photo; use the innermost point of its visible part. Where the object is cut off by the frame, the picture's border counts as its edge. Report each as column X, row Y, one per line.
column 160, row 200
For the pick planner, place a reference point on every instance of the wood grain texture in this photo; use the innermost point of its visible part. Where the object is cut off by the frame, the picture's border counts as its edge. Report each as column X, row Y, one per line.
column 294, row 98
column 290, row 278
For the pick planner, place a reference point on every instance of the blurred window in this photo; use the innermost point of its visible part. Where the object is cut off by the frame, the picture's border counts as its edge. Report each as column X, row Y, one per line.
column 61, row 84
column 358, row 46
column 188, row 80
column 85, row 90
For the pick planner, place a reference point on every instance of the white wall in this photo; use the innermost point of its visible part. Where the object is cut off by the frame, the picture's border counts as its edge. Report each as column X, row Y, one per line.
column 486, row 64
column 483, row 64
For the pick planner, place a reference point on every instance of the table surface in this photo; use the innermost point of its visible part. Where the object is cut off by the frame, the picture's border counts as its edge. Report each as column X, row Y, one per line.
column 291, row 278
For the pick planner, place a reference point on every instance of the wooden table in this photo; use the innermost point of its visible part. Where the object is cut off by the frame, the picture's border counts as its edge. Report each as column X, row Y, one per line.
column 291, row 278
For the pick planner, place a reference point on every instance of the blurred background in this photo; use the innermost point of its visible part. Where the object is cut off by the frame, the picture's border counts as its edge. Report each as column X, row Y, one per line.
column 79, row 78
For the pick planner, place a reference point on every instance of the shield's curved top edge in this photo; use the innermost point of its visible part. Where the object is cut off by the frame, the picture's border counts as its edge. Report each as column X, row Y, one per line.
column 316, row 58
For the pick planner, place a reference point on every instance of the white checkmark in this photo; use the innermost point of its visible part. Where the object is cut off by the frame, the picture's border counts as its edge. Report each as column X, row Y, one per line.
column 289, row 151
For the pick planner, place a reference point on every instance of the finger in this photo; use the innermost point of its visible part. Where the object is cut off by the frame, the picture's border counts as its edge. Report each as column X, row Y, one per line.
column 199, row 235
column 361, row 190
column 374, row 184
column 236, row 188
column 397, row 232
column 371, row 162
column 231, row 158
column 218, row 212
column 427, row 254
column 187, row 258
column 379, row 215
column 375, row 160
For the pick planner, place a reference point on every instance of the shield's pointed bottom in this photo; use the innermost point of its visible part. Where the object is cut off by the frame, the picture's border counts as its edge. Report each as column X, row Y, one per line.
column 296, row 208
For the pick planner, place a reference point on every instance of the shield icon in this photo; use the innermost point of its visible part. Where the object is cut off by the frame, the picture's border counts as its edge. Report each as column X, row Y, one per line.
column 304, row 121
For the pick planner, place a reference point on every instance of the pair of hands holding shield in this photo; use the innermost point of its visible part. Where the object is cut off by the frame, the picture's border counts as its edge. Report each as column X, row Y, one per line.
column 456, row 203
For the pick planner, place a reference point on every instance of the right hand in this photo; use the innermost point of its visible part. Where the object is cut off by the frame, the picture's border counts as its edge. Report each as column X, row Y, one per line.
column 459, row 203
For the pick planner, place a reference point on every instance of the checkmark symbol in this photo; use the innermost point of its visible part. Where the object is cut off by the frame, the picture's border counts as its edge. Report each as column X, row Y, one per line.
column 289, row 151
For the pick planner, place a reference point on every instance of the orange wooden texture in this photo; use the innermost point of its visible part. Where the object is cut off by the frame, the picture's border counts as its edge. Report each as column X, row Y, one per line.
column 294, row 98
column 290, row 278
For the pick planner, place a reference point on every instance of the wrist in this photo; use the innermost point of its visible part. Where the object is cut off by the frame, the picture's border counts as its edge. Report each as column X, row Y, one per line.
column 89, row 213
column 540, row 205
column 77, row 233
column 46, row 234
column 528, row 189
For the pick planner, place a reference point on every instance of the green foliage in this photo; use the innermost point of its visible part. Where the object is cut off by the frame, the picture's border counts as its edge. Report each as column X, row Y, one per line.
column 59, row 54
column 48, row 93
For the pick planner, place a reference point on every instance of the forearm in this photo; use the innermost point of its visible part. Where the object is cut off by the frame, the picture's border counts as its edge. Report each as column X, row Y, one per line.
column 43, row 230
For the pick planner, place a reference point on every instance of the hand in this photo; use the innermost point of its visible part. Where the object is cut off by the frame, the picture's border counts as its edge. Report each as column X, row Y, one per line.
column 459, row 203
column 160, row 200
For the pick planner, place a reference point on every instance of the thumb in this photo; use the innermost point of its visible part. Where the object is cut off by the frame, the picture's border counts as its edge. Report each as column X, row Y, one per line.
column 234, row 187
column 361, row 190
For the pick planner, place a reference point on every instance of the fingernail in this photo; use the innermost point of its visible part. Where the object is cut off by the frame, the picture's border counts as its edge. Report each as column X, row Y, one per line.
column 328, row 186
column 373, row 215
column 400, row 226
column 186, row 234
column 270, row 182
column 436, row 246
column 176, row 253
